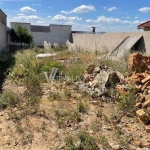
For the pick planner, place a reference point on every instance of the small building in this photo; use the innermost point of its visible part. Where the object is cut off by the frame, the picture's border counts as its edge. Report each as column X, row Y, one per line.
column 145, row 26
column 3, row 31
column 52, row 33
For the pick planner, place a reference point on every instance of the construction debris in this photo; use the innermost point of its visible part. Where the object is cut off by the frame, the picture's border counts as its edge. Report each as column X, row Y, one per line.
column 138, row 62
column 99, row 80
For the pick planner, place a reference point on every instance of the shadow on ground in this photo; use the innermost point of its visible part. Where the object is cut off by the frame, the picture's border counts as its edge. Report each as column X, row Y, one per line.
column 7, row 60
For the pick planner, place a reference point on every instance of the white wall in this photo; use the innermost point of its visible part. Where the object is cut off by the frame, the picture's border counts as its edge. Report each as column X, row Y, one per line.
column 108, row 41
column 25, row 25
column 57, row 34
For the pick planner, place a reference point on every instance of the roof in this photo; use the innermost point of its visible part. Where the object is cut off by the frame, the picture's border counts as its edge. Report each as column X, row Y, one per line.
column 3, row 12
column 144, row 25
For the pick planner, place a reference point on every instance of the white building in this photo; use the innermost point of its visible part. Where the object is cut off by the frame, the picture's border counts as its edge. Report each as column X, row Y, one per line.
column 52, row 33
column 3, row 31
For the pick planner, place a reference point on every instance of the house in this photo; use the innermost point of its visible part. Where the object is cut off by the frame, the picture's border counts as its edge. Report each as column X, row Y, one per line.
column 3, row 31
column 145, row 26
column 52, row 33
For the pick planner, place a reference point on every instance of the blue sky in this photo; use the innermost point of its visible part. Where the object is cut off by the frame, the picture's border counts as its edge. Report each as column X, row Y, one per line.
column 105, row 15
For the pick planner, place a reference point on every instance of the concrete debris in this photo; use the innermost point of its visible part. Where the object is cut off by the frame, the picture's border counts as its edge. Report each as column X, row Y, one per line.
column 47, row 45
column 138, row 62
column 45, row 55
column 67, row 59
column 70, row 46
column 98, row 80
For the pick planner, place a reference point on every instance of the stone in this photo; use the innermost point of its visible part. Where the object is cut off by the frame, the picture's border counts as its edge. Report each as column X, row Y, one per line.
column 147, row 128
column 96, row 70
column 138, row 143
column 113, row 79
column 142, row 115
column 116, row 147
column 90, row 69
column 131, row 147
column 138, row 62
column 47, row 45
column 146, row 145
column 146, row 103
column 140, row 98
column 147, row 97
column 146, row 80
column 45, row 55
column 138, row 105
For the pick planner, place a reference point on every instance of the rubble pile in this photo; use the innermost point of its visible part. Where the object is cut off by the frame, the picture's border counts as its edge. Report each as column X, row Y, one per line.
column 99, row 80
column 141, row 81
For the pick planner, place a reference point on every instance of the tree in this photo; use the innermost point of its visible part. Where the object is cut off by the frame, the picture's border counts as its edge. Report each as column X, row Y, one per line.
column 20, row 35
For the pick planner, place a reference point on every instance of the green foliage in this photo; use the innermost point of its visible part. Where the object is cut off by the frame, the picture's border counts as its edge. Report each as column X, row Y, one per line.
column 126, row 102
column 59, row 48
column 87, row 142
column 20, row 35
column 8, row 98
column 69, row 143
column 54, row 64
column 74, row 71
column 81, row 107
column 104, row 142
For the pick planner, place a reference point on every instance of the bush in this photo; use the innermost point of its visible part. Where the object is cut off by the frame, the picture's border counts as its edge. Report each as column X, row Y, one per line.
column 69, row 143
column 87, row 142
column 8, row 98
column 127, row 102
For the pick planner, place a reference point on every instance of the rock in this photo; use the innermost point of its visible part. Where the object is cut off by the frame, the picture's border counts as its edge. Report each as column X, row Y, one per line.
column 90, row 69
column 138, row 143
column 47, row 45
column 45, row 55
column 96, row 70
column 131, row 147
column 147, row 97
column 146, row 103
column 140, row 98
column 146, row 80
column 113, row 79
column 138, row 62
column 116, row 147
column 146, row 144
column 147, row 128
column 1, row 113
column 142, row 115
column 138, row 105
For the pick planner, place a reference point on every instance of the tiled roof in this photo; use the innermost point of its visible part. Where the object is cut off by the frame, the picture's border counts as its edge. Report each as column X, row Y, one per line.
column 144, row 25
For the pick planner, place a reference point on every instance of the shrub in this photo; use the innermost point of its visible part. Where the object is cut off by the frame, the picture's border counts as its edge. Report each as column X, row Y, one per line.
column 87, row 142
column 8, row 98
column 127, row 102
column 69, row 143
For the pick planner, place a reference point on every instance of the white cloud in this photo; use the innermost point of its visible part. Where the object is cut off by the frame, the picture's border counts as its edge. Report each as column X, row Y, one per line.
column 89, row 20
column 26, row 18
column 41, row 22
column 80, row 9
column 107, row 20
column 27, row 9
column 112, row 8
column 64, row 18
column 49, row 16
column 136, row 17
column 144, row 9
